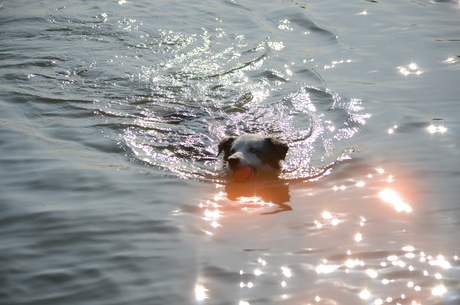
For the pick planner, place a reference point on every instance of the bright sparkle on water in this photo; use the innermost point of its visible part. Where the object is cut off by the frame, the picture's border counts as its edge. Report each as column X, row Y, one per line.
column 434, row 129
column 365, row 294
column 393, row 198
column 200, row 293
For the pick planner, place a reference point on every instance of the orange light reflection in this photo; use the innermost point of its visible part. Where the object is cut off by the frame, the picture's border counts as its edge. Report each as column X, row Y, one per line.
column 439, row 290
column 393, row 198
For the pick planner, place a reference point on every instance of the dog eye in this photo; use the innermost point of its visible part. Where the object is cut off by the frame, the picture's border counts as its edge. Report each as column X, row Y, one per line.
column 253, row 150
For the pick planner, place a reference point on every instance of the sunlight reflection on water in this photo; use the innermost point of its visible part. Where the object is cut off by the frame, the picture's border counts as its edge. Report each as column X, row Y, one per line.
column 412, row 274
column 393, row 198
column 412, row 68
column 200, row 293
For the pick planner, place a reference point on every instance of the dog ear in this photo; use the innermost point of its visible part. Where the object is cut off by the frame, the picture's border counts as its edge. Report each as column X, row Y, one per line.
column 225, row 145
column 280, row 148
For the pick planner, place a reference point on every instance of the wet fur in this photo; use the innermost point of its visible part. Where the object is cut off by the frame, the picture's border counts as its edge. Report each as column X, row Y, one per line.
column 264, row 154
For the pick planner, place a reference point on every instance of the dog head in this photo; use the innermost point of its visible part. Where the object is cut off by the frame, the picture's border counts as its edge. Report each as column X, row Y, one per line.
column 262, row 153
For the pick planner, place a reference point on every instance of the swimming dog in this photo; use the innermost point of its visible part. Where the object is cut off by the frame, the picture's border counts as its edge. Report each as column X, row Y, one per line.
column 263, row 154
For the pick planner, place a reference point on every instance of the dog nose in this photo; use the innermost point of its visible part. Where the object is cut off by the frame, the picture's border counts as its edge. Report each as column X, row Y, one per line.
column 233, row 163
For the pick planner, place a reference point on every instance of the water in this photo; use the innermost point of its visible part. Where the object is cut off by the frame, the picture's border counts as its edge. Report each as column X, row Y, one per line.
column 110, row 118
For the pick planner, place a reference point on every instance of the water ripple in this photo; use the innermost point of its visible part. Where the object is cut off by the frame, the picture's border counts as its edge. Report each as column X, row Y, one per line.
column 200, row 92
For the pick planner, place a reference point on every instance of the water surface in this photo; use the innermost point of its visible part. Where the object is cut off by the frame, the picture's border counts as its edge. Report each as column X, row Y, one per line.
column 110, row 115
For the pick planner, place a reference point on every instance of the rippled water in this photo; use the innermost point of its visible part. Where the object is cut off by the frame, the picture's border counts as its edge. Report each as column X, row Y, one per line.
column 110, row 115
column 205, row 86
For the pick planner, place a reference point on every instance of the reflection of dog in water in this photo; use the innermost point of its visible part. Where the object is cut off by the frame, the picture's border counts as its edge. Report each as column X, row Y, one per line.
column 263, row 154
column 278, row 195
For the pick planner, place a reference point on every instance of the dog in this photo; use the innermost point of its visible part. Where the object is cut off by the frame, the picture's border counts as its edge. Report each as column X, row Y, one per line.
column 263, row 153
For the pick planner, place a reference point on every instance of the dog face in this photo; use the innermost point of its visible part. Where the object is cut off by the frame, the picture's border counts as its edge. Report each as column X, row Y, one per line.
column 262, row 153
